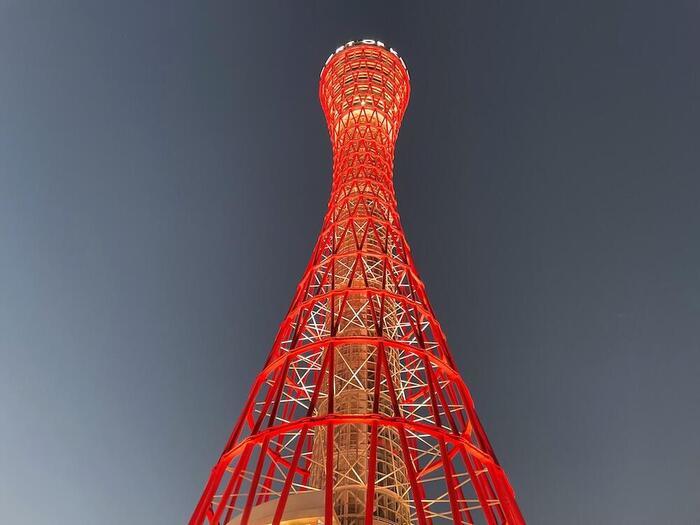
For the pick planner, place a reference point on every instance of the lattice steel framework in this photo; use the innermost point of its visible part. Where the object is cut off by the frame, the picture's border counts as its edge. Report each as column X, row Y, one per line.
column 360, row 357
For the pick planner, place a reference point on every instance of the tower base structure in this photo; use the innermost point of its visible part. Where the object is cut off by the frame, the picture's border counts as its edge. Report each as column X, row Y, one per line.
column 305, row 508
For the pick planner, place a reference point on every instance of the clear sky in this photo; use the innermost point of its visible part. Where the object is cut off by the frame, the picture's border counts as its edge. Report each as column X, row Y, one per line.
column 164, row 169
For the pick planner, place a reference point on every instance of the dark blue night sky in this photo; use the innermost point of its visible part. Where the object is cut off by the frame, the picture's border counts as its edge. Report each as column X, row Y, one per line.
column 164, row 169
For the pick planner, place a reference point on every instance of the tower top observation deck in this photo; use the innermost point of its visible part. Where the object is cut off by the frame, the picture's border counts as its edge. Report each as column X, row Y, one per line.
column 364, row 42
column 364, row 90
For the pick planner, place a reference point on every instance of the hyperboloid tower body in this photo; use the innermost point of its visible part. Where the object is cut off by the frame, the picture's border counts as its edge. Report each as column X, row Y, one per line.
column 359, row 416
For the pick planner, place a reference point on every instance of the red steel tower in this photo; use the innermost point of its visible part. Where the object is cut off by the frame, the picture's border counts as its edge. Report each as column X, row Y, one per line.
column 359, row 415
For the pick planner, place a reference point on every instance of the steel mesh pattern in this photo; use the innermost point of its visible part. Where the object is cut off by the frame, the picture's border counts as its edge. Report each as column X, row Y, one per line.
column 360, row 357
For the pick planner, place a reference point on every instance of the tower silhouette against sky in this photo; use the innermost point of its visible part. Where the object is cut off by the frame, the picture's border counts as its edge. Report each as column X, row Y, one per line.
column 359, row 415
